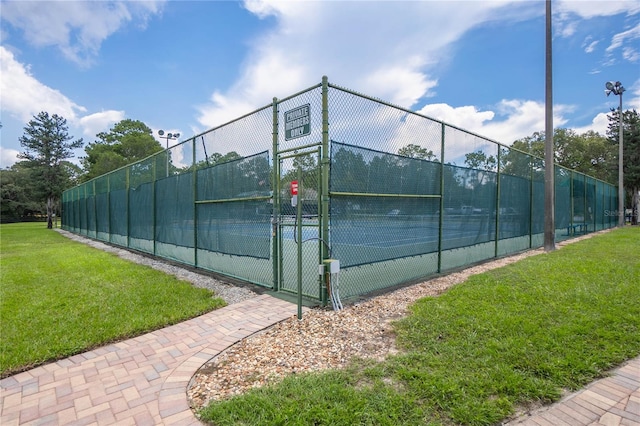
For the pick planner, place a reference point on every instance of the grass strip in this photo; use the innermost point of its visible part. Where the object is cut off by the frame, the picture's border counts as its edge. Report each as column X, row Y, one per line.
column 514, row 336
column 59, row 297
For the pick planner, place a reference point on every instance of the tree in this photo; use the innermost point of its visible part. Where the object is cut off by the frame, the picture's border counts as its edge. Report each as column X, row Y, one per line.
column 481, row 164
column 217, row 158
column 589, row 153
column 47, row 145
column 16, row 190
column 415, row 151
column 126, row 142
column 349, row 171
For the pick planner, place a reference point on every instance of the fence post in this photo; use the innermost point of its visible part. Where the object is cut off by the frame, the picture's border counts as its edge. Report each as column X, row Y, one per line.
column 109, row 207
column 127, row 177
column 194, row 166
column 154, row 200
column 572, row 195
column 95, row 209
column 531, row 198
column 441, row 218
column 86, row 211
column 584, row 197
column 604, row 199
column 497, row 218
column 324, row 199
column 275, row 215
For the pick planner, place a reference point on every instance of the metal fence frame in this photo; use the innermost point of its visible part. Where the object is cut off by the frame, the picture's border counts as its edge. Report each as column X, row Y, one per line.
column 160, row 205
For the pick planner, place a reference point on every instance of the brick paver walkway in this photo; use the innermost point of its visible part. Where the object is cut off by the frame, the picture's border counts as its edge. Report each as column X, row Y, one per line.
column 141, row 381
column 612, row 401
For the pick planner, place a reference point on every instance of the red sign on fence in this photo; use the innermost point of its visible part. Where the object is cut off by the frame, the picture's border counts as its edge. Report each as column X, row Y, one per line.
column 294, row 187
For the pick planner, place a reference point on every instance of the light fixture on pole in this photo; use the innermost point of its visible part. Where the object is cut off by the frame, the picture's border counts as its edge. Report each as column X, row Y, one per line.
column 617, row 89
column 172, row 136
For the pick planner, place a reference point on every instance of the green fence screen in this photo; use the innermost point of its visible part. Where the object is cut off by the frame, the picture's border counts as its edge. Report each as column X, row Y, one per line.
column 393, row 195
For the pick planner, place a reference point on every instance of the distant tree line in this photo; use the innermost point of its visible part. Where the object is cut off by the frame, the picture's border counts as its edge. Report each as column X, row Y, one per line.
column 32, row 187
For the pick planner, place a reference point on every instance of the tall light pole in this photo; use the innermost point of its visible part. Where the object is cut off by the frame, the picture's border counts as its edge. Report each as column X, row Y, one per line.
column 617, row 89
column 169, row 136
column 549, row 160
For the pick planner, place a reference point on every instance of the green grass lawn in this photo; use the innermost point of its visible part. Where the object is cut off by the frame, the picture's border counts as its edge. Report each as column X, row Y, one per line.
column 510, row 337
column 59, row 297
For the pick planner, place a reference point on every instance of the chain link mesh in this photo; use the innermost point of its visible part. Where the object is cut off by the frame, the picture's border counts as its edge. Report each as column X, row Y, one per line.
column 405, row 197
column 299, row 161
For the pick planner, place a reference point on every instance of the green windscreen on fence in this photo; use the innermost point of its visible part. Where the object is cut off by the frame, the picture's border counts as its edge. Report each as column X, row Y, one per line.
column 394, row 195
column 563, row 216
column 102, row 207
column 174, row 210
column 141, row 202
column 234, row 214
column 90, row 207
column 469, row 204
column 118, row 207
column 537, row 197
column 514, row 208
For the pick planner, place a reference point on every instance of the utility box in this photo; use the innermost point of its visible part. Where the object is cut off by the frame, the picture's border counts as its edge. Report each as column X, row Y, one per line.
column 332, row 266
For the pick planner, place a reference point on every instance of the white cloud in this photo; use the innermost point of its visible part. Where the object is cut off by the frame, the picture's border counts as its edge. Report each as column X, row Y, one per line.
column 589, row 48
column 567, row 29
column 337, row 39
column 466, row 117
column 591, row 9
column 632, row 96
column 23, row 96
column 569, row 14
column 407, row 85
column 394, row 61
column 77, row 28
column 8, row 157
column 630, row 54
column 511, row 120
column 626, row 41
column 599, row 124
column 93, row 124
column 522, row 119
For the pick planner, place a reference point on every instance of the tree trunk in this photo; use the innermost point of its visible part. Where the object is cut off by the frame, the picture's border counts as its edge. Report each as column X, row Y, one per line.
column 635, row 206
column 49, row 212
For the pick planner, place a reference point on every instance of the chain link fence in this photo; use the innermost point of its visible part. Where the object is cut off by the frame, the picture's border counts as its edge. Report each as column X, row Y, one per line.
column 393, row 195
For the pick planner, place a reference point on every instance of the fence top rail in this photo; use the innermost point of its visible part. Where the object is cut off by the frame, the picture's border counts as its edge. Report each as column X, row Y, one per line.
column 346, row 90
column 228, row 123
column 408, row 111
column 302, row 92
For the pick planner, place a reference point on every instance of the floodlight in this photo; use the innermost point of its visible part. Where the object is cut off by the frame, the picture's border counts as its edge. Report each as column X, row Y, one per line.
column 161, row 132
column 177, row 135
column 617, row 89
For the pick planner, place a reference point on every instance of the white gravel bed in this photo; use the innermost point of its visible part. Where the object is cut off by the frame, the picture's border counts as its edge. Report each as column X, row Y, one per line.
column 322, row 339
column 230, row 293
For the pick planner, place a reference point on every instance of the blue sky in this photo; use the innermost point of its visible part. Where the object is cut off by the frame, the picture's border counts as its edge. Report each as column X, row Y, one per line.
column 187, row 66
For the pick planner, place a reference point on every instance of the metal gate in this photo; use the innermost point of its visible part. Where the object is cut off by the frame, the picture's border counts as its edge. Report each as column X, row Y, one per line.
column 299, row 223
